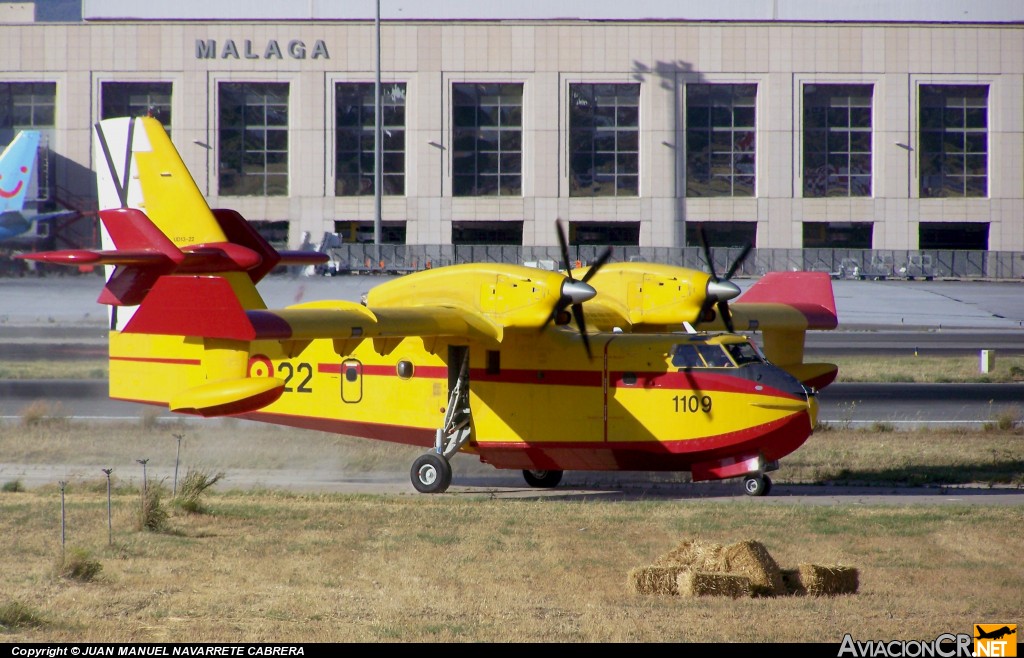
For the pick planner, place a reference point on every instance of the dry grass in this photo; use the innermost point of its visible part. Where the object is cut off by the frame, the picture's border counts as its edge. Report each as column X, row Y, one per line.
column 51, row 369
column 268, row 565
column 272, row 566
column 925, row 369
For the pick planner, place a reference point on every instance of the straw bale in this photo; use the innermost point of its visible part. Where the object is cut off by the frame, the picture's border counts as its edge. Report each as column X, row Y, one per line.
column 791, row 580
column 821, row 579
column 654, row 579
column 702, row 583
column 751, row 559
column 695, row 554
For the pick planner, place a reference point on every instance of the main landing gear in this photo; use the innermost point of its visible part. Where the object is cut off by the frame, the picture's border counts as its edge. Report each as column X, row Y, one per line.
column 542, row 479
column 432, row 472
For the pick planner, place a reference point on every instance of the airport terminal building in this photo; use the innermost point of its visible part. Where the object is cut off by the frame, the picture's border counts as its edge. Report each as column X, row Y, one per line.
column 788, row 124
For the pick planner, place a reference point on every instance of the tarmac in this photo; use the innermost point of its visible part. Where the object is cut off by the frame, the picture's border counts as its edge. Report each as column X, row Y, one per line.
column 56, row 302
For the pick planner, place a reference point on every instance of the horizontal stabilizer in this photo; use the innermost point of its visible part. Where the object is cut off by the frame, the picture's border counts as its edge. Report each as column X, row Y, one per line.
column 97, row 257
column 241, row 232
column 225, row 398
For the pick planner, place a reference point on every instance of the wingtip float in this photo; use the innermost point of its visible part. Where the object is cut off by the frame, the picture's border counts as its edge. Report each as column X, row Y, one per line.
column 528, row 369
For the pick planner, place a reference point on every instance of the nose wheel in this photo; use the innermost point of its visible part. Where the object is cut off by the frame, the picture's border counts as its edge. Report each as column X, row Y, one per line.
column 757, row 485
column 431, row 473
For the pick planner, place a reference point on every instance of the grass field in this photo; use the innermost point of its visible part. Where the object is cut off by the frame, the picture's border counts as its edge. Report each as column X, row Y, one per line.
column 256, row 564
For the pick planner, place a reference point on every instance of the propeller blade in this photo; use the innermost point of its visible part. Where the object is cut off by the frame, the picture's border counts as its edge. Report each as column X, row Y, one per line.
column 723, row 310
column 577, row 312
column 739, row 261
column 598, row 264
column 707, row 252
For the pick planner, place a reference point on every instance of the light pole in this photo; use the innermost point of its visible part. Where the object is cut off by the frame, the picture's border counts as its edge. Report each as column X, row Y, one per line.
column 377, row 148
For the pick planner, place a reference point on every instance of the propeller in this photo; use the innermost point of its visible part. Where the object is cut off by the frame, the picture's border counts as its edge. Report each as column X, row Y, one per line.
column 721, row 290
column 574, row 292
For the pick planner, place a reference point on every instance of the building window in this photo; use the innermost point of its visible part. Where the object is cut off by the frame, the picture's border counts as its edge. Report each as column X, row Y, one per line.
column 391, row 232
column 354, row 139
column 837, row 235
column 626, row 234
column 604, row 139
column 954, row 235
column 487, row 139
column 25, row 105
column 720, row 140
column 954, row 140
column 136, row 99
column 487, row 233
column 722, row 234
column 837, row 140
column 253, row 141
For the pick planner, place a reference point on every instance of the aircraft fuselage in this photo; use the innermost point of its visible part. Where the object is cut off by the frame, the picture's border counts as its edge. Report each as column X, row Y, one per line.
column 704, row 403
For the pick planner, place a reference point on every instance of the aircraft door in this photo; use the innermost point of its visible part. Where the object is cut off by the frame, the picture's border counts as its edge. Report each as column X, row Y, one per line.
column 351, row 380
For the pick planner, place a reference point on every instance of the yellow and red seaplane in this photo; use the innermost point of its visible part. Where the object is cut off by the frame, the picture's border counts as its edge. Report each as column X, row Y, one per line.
column 614, row 366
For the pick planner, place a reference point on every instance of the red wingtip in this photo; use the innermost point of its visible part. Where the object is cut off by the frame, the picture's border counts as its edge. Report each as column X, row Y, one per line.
column 808, row 292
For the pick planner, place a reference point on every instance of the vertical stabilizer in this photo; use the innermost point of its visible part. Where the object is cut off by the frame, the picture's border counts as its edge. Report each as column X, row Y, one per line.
column 16, row 165
column 139, row 169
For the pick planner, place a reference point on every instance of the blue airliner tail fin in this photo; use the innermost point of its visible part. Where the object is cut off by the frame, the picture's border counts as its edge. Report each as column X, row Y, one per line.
column 16, row 165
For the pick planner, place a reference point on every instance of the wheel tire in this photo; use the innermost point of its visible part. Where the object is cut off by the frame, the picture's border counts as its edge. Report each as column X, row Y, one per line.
column 757, row 485
column 542, row 479
column 431, row 473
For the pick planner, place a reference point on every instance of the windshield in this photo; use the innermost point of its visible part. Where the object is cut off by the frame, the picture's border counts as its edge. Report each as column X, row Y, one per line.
column 700, row 356
column 744, row 353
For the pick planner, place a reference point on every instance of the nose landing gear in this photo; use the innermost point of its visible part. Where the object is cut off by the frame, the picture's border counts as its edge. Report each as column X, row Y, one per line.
column 758, row 484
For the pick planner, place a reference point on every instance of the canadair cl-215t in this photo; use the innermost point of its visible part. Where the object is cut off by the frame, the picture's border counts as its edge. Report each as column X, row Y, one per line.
column 615, row 366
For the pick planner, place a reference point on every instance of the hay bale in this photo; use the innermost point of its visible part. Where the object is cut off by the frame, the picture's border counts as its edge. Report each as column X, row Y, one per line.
column 702, row 583
column 821, row 579
column 751, row 559
column 654, row 579
column 695, row 554
column 791, row 580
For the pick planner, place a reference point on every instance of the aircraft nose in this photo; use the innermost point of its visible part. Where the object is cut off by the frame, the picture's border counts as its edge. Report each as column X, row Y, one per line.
column 722, row 291
column 577, row 291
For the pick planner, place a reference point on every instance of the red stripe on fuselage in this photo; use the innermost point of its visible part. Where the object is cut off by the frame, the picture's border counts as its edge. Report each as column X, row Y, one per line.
column 430, row 372
column 172, row 362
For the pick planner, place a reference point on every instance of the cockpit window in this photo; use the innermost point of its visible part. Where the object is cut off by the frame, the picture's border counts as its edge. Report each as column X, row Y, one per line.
column 715, row 356
column 685, row 356
column 744, row 353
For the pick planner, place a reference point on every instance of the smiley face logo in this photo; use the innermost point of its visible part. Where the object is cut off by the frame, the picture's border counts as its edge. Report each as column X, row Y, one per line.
column 10, row 194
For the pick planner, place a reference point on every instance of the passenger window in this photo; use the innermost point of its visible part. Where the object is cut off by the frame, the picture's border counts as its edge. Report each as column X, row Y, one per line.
column 715, row 356
column 685, row 356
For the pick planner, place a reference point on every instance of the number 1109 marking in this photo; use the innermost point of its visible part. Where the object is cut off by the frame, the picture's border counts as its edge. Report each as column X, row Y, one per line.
column 692, row 403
